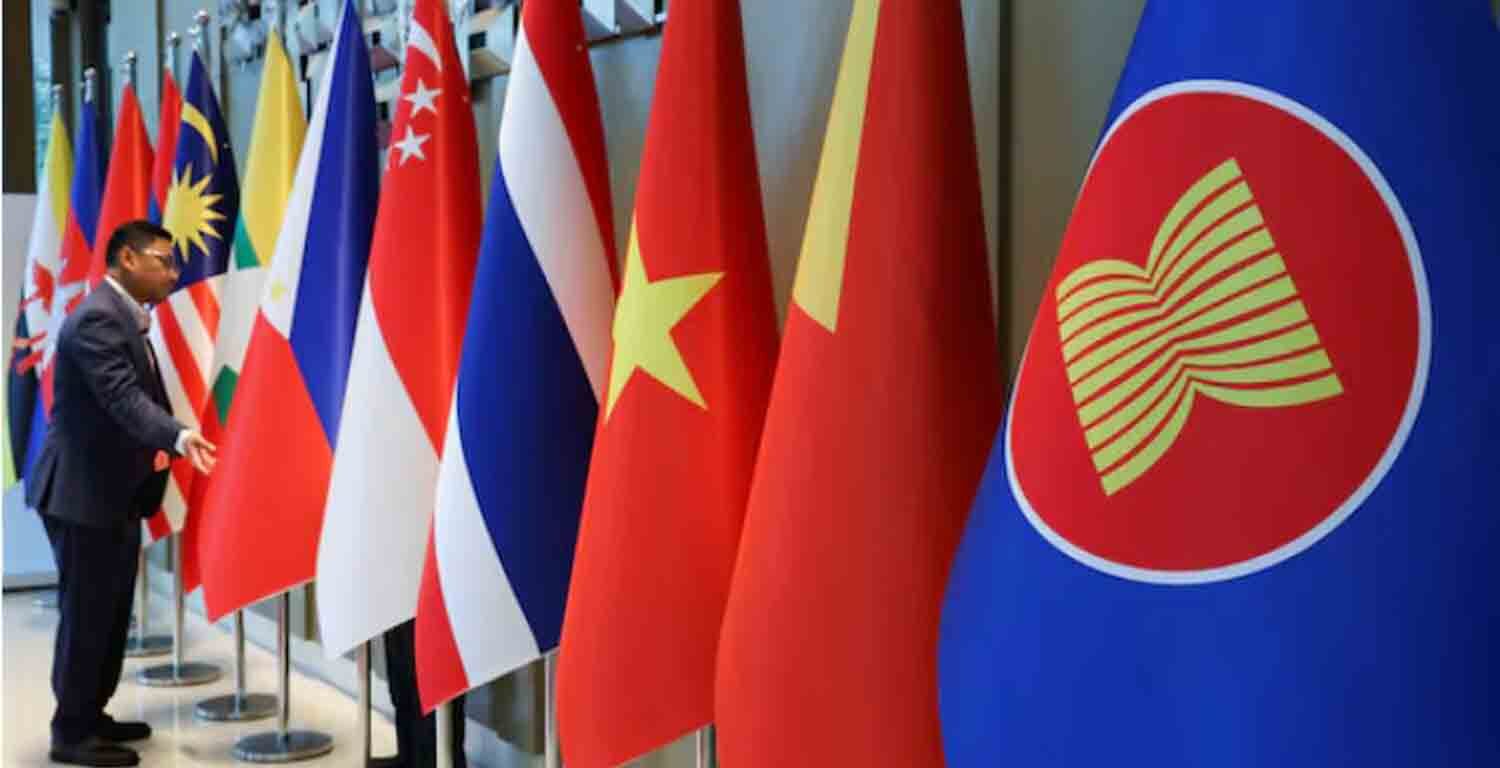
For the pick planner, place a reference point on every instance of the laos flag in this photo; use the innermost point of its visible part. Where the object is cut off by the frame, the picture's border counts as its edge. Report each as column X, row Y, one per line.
column 1242, row 507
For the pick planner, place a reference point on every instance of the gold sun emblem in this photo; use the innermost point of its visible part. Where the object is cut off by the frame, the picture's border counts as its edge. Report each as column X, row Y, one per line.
column 190, row 213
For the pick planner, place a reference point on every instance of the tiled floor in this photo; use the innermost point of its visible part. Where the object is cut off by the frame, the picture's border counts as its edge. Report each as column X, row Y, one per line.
column 179, row 740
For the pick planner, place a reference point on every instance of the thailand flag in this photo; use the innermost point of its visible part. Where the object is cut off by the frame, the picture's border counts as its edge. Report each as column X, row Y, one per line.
column 264, row 510
column 516, row 453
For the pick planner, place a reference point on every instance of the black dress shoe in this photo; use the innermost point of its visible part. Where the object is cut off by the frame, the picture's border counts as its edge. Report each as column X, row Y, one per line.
column 390, row 761
column 94, row 751
column 114, row 730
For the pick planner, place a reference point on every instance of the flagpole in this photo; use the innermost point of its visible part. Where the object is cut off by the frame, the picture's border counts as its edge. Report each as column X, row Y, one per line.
column 283, row 745
column 706, row 753
column 238, row 706
column 363, row 662
column 143, row 643
column 553, row 757
column 178, row 673
column 444, row 715
column 174, row 40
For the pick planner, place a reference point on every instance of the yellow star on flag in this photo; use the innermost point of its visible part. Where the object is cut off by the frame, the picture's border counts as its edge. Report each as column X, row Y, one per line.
column 644, row 319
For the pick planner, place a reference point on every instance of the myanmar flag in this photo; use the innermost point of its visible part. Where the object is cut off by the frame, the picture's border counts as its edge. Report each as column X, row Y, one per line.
column 694, row 343
column 886, row 394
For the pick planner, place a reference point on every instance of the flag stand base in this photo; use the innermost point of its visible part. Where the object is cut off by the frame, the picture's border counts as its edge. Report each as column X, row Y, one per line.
column 279, row 747
column 235, row 708
column 178, row 675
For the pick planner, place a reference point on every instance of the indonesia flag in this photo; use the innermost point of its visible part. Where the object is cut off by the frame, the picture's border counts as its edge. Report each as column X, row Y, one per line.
column 411, row 324
column 128, row 188
column 534, row 364
column 264, row 510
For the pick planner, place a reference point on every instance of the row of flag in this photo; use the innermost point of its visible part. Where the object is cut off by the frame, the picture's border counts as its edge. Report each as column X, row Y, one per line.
column 1235, row 514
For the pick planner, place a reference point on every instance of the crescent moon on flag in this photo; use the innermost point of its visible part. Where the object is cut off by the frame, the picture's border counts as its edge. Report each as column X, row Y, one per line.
column 422, row 42
column 191, row 116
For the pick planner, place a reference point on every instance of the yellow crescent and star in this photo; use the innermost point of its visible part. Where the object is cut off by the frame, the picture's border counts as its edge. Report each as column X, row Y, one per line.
column 644, row 318
column 190, row 214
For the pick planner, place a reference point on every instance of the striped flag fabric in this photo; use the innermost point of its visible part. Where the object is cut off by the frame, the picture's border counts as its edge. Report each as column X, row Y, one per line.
column 168, row 122
column 887, row 392
column 260, row 537
column 406, row 348
column 202, row 207
column 37, row 324
column 78, row 233
column 694, row 344
column 127, row 188
column 275, row 141
column 535, row 357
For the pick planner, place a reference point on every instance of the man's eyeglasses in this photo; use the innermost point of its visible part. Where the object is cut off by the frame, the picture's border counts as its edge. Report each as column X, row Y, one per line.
column 167, row 259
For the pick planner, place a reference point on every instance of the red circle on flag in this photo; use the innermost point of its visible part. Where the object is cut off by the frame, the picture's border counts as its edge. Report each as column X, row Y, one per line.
column 1233, row 345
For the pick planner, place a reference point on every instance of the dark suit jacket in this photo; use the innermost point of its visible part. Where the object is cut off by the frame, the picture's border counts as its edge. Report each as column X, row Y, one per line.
column 110, row 416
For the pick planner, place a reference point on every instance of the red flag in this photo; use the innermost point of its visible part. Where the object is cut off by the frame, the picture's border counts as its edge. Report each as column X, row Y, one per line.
column 887, row 394
column 166, row 144
column 127, row 189
column 694, row 345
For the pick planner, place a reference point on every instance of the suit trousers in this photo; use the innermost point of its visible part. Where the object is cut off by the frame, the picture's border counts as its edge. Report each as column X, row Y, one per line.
column 96, row 570
column 416, row 736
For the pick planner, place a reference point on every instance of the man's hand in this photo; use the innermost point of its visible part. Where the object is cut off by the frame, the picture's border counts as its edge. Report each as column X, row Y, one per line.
column 199, row 451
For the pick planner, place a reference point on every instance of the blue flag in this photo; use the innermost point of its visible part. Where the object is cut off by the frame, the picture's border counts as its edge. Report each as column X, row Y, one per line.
column 1241, row 509
column 203, row 201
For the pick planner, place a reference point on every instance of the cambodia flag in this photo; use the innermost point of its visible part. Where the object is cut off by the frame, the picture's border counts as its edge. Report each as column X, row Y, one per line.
column 516, row 452
column 264, row 510
column 1242, row 510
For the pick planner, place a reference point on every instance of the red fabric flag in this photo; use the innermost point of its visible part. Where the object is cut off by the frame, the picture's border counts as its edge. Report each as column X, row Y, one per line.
column 127, row 189
column 887, row 394
column 694, row 346
column 166, row 144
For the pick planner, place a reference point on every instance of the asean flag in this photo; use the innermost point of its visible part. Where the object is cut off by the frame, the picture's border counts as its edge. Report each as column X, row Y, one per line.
column 1242, row 509
column 264, row 509
column 679, row 422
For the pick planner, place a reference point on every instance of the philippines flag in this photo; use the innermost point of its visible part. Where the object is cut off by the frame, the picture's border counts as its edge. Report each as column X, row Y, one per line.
column 202, row 208
column 411, row 325
column 264, row 509
column 534, row 363
column 1242, row 510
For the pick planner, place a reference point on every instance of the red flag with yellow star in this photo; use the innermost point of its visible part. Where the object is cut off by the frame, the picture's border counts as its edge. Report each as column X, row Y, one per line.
column 694, row 346
column 887, row 395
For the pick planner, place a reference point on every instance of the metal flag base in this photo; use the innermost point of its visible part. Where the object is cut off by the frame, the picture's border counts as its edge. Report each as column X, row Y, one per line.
column 234, row 707
column 283, row 745
column 279, row 747
column 174, row 675
column 138, row 647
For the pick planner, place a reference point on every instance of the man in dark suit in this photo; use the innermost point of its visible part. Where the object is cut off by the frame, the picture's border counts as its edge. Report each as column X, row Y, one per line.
column 103, row 468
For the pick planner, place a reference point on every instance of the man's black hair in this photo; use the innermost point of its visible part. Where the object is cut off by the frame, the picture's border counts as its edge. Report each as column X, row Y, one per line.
column 137, row 235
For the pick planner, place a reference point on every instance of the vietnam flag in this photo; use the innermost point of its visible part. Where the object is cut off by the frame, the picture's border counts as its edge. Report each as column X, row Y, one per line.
column 694, row 343
column 127, row 188
column 886, row 395
column 263, row 512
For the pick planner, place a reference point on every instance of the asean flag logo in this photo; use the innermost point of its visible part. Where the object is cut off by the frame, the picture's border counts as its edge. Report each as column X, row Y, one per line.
column 1233, row 347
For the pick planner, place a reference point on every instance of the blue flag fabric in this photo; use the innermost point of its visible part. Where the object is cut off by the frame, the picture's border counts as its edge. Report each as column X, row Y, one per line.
column 1242, row 508
column 203, row 202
